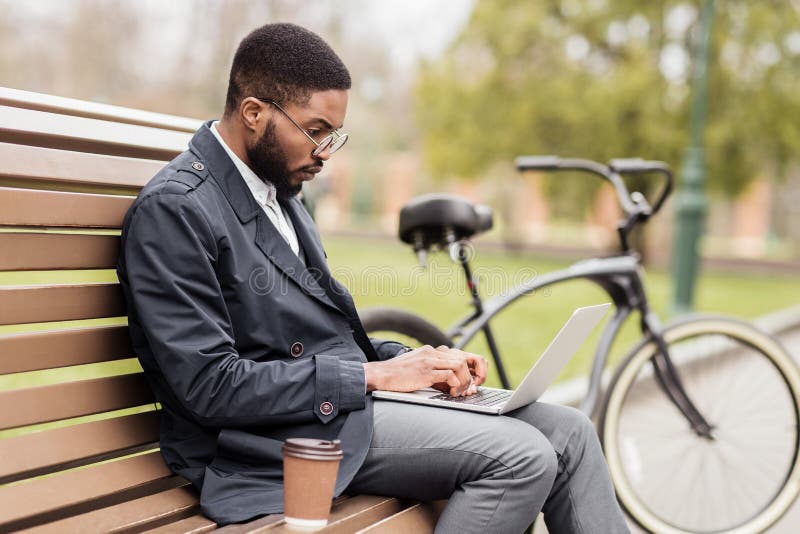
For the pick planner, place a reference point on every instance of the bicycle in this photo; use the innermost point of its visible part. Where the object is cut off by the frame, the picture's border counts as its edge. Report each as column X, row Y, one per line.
column 699, row 422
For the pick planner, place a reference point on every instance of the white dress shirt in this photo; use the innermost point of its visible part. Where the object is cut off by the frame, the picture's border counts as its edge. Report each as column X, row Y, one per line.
column 264, row 193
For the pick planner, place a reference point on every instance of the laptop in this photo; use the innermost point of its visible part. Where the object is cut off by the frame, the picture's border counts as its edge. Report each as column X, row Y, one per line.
column 499, row 401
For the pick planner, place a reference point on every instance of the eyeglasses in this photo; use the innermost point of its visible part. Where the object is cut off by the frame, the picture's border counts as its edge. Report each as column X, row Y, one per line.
column 333, row 142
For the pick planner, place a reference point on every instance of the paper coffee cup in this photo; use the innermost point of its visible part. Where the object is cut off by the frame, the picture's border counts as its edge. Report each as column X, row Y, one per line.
column 310, row 467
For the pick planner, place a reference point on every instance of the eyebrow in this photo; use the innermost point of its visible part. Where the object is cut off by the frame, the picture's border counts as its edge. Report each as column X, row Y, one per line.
column 324, row 123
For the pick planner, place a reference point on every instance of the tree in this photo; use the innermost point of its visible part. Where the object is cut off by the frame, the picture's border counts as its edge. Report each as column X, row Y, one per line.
column 603, row 79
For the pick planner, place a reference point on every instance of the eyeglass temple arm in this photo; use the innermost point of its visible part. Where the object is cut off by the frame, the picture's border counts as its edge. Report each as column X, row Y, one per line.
column 292, row 120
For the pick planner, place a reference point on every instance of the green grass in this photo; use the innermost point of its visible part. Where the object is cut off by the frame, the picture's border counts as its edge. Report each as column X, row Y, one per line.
column 384, row 273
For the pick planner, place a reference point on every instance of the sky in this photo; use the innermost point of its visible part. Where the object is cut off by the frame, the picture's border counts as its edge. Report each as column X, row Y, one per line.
column 411, row 29
column 414, row 28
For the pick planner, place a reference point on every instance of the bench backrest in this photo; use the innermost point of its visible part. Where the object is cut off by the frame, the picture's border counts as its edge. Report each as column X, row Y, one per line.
column 72, row 396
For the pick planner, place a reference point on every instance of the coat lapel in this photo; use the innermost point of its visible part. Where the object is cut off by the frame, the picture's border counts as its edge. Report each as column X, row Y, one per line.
column 277, row 250
column 303, row 226
column 307, row 235
column 267, row 237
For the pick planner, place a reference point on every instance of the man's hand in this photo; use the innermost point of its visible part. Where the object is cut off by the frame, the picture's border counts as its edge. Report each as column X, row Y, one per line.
column 451, row 371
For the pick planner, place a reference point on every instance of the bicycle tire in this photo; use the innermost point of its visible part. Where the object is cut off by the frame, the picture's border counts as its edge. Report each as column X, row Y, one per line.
column 381, row 319
column 775, row 503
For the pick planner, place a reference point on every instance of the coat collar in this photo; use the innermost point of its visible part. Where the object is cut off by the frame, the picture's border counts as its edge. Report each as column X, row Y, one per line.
column 224, row 172
column 267, row 238
column 264, row 192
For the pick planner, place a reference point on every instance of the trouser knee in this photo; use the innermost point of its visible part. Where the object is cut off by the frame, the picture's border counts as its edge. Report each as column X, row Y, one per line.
column 580, row 430
column 534, row 458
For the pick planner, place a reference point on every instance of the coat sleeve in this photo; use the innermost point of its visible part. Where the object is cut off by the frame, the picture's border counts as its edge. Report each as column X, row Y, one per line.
column 169, row 255
column 387, row 350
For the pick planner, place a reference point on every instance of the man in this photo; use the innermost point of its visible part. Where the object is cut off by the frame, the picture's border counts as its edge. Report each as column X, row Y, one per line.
column 246, row 339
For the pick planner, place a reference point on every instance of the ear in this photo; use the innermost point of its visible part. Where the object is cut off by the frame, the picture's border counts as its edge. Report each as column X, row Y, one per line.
column 252, row 113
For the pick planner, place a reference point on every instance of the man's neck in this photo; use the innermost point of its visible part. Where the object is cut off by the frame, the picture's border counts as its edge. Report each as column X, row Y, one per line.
column 235, row 142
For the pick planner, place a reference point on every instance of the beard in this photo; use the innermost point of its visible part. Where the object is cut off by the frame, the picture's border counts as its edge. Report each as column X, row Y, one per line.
column 268, row 161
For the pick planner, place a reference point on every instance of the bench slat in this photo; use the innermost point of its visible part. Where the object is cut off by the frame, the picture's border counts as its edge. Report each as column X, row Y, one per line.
column 347, row 516
column 270, row 522
column 26, row 251
column 65, row 132
column 35, row 454
column 81, row 108
column 358, row 512
column 49, row 499
column 262, row 524
column 418, row 518
column 147, row 512
column 195, row 524
column 43, row 404
column 62, row 167
column 64, row 302
column 51, row 349
column 31, row 207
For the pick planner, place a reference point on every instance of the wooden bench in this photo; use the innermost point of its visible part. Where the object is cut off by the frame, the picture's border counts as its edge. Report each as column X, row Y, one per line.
column 78, row 424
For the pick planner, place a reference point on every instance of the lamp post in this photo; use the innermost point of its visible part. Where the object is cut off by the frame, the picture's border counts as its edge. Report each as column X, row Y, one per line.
column 691, row 201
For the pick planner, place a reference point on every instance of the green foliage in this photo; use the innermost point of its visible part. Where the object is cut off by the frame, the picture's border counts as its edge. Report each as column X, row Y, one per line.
column 587, row 78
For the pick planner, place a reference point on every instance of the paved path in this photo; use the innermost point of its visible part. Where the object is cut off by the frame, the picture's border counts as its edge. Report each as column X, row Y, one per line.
column 790, row 523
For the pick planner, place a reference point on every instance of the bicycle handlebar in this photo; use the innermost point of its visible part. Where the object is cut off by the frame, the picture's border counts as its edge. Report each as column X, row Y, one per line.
column 640, row 166
column 633, row 204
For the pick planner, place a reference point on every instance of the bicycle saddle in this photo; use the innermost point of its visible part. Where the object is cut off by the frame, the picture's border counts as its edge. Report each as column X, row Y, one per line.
column 440, row 219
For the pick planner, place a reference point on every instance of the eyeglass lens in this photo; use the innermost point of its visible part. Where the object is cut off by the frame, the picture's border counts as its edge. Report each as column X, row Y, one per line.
column 329, row 141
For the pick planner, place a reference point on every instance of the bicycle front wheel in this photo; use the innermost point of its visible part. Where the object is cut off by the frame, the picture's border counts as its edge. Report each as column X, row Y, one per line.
column 741, row 479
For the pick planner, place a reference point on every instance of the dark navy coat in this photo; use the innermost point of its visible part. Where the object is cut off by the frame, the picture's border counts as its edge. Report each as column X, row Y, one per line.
column 243, row 342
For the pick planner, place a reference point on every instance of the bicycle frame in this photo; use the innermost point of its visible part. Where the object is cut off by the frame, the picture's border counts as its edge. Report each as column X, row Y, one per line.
column 621, row 278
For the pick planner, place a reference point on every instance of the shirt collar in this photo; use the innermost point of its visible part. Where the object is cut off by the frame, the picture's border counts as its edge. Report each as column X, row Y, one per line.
column 263, row 192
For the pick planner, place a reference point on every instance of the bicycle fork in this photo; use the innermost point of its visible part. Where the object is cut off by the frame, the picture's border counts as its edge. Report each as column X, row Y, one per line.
column 670, row 381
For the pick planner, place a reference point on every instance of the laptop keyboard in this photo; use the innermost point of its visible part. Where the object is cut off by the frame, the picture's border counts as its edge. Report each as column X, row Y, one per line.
column 484, row 397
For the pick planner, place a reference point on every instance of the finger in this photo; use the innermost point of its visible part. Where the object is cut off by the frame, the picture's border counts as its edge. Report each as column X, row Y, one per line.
column 441, row 358
column 481, row 368
column 475, row 362
column 472, row 389
column 458, row 366
column 447, row 376
column 444, row 387
column 462, row 379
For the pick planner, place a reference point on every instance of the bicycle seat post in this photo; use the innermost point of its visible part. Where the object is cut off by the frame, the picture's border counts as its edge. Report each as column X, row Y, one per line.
column 461, row 256
column 420, row 249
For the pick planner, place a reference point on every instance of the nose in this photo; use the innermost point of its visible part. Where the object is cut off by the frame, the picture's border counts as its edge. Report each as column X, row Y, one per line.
column 325, row 154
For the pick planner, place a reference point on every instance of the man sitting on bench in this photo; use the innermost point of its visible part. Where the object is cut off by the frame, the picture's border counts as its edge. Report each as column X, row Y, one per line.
column 246, row 339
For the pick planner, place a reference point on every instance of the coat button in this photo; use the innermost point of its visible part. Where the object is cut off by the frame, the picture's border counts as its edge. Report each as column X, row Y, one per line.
column 297, row 349
column 326, row 408
column 198, row 166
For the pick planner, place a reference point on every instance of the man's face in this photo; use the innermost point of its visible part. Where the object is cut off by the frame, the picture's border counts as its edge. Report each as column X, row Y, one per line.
column 282, row 153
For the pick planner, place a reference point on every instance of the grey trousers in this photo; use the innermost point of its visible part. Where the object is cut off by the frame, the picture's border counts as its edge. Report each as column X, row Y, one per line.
column 498, row 472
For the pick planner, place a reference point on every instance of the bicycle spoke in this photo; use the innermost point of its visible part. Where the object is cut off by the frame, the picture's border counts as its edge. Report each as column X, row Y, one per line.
column 693, row 482
column 758, row 465
column 747, row 491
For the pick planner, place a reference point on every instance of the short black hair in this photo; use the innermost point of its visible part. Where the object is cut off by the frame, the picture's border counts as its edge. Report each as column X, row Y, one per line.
column 286, row 63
